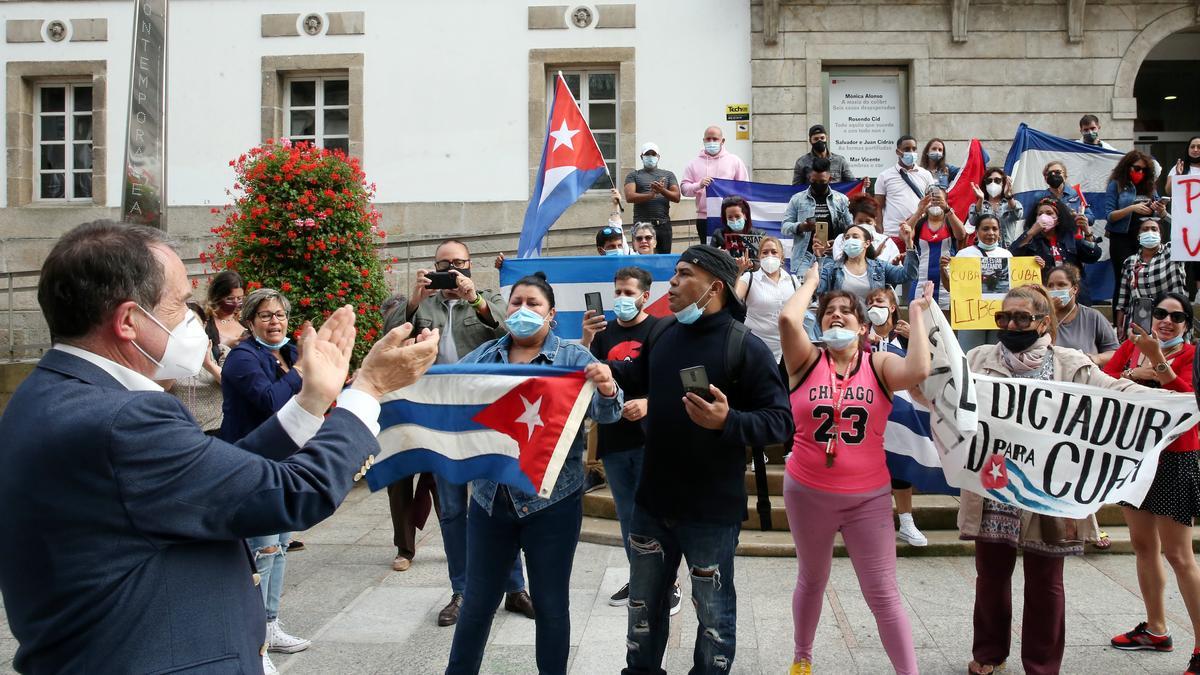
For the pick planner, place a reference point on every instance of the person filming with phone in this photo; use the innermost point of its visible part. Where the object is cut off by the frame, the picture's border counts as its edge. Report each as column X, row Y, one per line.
column 712, row 389
column 818, row 213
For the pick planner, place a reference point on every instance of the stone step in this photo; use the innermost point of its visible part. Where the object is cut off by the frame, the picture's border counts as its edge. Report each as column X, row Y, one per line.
column 931, row 512
column 779, row 544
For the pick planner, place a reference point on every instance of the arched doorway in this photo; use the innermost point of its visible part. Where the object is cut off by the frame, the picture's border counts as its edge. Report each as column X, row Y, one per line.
column 1167, row 89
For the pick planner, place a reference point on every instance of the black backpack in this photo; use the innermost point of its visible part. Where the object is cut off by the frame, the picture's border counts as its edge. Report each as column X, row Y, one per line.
column 735, row 338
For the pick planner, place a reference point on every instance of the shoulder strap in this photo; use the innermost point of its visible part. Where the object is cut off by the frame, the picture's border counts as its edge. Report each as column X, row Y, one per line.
column 911, row 184
column 735, row 355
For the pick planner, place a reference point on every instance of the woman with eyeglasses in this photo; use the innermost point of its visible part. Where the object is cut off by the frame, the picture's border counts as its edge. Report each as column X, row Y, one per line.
column 259, row 376
column 1162, row 524
column 1058, row 186
column 505, row 519
column 1054, row 238
column 996, row 198
column 644, row 240
column 1129, row 198
column 1028, row 328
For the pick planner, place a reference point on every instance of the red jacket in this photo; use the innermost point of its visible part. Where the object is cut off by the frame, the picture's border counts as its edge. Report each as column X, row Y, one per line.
column 1126, row 357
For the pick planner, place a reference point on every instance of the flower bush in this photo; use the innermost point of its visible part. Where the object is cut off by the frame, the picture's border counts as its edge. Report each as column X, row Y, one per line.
column 302, row 222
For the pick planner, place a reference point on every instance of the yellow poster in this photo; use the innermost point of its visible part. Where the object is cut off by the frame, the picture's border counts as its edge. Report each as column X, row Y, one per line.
column 978, row 286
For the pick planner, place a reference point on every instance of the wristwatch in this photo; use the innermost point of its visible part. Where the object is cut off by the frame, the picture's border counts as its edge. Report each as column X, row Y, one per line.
column 1162, row 367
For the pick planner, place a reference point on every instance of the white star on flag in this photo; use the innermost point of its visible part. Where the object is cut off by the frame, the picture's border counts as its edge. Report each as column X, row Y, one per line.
column 532, row 416
column 995, row 470
column 563, row 137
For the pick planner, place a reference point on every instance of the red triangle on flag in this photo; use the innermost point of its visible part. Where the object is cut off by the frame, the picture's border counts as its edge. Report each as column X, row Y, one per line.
column 534, row 414
column 660, row 307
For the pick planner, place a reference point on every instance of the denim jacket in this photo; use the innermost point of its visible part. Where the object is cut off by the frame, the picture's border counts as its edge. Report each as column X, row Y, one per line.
column 602, row 410
column 800, row 208
column 1116, row 199
column 880, row 272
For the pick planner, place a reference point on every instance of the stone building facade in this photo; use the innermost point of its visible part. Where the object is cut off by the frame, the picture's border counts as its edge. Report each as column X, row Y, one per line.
column 446, row 102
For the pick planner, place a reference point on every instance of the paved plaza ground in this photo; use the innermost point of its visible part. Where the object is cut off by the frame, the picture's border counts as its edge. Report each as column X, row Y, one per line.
column 365, row 618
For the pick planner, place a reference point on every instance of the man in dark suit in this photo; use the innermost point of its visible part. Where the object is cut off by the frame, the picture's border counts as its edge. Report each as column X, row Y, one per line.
column 124, row 521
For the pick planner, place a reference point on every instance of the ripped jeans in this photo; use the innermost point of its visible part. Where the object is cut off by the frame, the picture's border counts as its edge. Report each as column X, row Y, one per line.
column 656, row 546
column 271, row 567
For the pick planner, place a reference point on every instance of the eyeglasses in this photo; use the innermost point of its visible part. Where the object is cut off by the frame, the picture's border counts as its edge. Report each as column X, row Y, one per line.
column 266, row 317
column 997, row 181
column 646, row 237
column 1055, row 172
column 609, row 231
column 1016, row 320
column 1176, row 317
column 445, row 265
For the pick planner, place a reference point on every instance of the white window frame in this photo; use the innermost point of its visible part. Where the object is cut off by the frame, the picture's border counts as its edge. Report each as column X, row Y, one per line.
column 319, row 108
column 584, row 101
column 68, row 113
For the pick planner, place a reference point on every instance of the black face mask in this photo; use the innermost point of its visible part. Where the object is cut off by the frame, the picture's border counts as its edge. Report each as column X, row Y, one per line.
column 1054, row 180
column 819, row 146
column 1017, row 341
column 819, row 189
column 466, row 273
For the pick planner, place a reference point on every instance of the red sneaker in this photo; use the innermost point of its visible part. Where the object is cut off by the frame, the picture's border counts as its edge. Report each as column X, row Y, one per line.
column 1142, row 639
column 1194, row 664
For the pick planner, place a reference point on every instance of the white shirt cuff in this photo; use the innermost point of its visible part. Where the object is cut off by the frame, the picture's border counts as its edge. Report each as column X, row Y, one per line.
column 301, row 425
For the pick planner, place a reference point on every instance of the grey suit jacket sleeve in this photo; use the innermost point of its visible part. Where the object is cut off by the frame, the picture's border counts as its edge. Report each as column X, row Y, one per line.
column 178, row 483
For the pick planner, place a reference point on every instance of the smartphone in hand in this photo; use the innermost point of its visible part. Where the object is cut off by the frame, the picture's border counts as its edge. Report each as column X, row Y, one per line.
column 1142, row 309
column 594, row 303
column 442, row 280
column 822, row 232
column 695, row 381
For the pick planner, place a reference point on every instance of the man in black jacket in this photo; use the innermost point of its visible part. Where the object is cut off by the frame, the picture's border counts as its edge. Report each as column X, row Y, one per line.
column 691, row 499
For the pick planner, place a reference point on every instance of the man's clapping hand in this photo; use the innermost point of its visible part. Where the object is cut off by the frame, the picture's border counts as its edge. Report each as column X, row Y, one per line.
column 397, row 360
column 325, row 360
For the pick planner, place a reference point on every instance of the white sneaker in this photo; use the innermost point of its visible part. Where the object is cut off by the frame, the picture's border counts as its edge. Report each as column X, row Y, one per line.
column 676, row 600
column 909, row 534
column 279, row 641
column 268, row 667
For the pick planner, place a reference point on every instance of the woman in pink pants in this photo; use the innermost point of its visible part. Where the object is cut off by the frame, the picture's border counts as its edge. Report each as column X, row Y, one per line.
column 837, row 477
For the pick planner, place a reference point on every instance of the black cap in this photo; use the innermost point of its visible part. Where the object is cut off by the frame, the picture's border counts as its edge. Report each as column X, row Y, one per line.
column 719, row 264
column 816, row 129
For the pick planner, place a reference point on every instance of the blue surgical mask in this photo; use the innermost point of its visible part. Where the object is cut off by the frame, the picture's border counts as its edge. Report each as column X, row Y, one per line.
column 625, row 308
column 987, row 247
column 1173, row 342
column 649, row 161
column 712, row 147
column 935, row 156
column 853, row 247
column 909, row 158
column 610, row 251
column 692, row 312
column 1149, row 239
column 839, row 338
column 736, row 223
column 273, row 347
column 524, row 322
column 1063, row 295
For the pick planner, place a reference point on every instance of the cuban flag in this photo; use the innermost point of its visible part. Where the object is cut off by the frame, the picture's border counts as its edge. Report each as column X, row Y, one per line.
column 571, row 163
column 960, row 195
column 1088, row 166
column 512, row 424
column 574, row 276
column 908, row 444
column 768, row 203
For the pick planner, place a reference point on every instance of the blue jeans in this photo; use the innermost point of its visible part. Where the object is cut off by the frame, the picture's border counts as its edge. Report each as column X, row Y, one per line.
column 271, row 567
column 657, row 546
column 452, row 501
column 549, row 538
column 623, row 470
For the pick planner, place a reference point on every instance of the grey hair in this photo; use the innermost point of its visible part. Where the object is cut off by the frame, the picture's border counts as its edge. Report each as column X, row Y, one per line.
column 259, row 296
column 638, row 227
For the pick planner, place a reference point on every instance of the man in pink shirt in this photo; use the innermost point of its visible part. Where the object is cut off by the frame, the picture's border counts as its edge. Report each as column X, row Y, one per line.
column 714, row 162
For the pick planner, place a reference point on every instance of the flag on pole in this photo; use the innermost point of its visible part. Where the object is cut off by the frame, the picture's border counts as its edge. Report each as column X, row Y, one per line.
column 574, row 276
column 512, row 424
column 571, row 163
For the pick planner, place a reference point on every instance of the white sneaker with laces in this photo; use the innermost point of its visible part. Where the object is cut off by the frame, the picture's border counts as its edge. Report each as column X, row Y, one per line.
column 268, row 667
column 908, row 532
column 676, row 600
column 279, row 641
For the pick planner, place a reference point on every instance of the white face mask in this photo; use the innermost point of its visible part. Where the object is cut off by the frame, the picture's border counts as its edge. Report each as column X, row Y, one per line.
column 878, row 315
column 993, row 189
column 770, row 264
column 186, row 345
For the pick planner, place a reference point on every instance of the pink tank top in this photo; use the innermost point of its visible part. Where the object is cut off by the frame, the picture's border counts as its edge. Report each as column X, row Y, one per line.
column 853, row 412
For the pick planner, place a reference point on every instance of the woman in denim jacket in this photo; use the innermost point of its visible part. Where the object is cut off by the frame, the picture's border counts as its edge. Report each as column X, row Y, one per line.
column 858, row 270
column 504, row 519
column 1130, row 197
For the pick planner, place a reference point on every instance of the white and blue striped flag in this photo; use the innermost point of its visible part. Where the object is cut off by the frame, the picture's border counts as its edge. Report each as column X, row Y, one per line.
column 768, row 203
